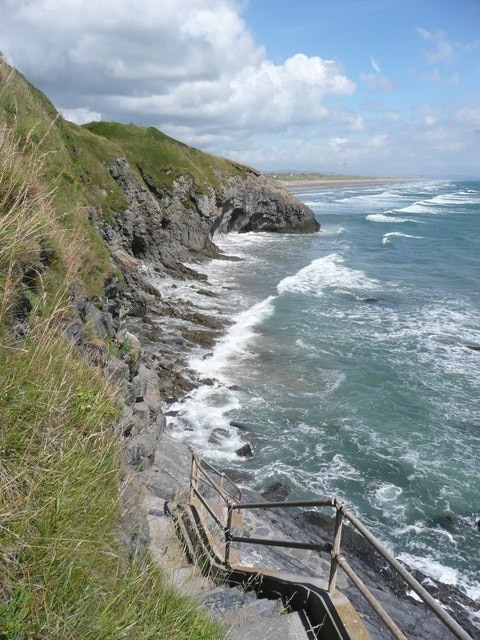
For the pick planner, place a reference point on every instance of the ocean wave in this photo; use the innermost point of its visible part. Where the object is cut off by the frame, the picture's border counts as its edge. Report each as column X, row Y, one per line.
column 233, row 345
column 203, row 420
column 416, row 207
column 381, row 217
column 431, row 567
column 324, row 273
column 387, row 238
column 458, row 197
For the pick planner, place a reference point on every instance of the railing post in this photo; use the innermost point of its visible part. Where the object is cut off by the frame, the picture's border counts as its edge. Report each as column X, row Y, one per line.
column 337, row 538
column 193, row 478
column 228, row 533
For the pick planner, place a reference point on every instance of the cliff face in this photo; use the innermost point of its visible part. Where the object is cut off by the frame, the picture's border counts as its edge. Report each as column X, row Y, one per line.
column 258, row 203
column 168, row 227
column 130, row 207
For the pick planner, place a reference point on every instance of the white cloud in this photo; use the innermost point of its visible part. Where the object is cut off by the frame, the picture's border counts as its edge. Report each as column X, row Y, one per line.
column 176, row 63
column 442, row 50
column 192, row 68
column 80, row 115
column 469, row 116
column 375, row 65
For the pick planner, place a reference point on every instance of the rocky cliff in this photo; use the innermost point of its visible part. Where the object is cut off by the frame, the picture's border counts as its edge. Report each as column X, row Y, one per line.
column 168, row 227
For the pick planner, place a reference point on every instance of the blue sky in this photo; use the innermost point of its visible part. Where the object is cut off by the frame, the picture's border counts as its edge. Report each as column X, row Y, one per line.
column 369, row 87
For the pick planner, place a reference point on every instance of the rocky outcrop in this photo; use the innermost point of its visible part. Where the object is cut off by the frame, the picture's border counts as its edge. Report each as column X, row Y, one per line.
column 158, row 233
column 163, row 228
column 167, row 228
column 258, row 203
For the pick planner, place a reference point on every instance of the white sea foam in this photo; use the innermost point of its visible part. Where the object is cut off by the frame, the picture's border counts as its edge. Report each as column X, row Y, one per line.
column 233, row 346
column 397, row 234
column 381, row 217
column 388, row 492
column 431, row 567
column 324, row 273
column 416, row 207
column 204, row 412
column 459, row 197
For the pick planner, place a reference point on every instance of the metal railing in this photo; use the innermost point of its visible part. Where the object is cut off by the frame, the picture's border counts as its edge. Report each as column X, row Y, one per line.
column 230, row 501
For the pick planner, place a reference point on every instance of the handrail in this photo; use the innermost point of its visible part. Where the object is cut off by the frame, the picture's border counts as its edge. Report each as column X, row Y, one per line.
column 199, row 463
column 336, row 559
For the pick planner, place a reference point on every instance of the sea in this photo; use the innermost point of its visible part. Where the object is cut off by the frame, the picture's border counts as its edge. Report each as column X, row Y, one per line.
column 351, row 365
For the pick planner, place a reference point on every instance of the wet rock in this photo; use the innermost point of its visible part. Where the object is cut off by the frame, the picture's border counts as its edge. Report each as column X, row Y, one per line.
column 207, row 292
column 204, row 339
column 138, row 311
column 245, row 451
column 277, row 492
column 446, row 521
column 258, row 203
column 244, row 426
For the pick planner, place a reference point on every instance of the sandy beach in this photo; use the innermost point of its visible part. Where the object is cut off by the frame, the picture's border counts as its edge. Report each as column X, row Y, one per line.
column 342, row 182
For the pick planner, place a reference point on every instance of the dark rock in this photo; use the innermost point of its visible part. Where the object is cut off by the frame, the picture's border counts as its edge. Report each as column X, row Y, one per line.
column 245, row 451
column 277, row 492
column 138, row 311
column 204, row 339
column 258, row 203
column 446, row 521
column 244, row 426
column 207, row 292
column 140, row 451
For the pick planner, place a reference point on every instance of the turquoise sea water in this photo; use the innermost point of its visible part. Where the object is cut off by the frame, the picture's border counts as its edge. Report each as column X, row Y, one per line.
column 350, row 358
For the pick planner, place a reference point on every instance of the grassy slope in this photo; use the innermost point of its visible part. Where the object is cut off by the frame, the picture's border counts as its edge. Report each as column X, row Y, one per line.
column 162, row 158
column 62, row 573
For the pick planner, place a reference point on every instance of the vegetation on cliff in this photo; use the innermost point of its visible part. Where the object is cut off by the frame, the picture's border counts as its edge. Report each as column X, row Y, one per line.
column 62, row 572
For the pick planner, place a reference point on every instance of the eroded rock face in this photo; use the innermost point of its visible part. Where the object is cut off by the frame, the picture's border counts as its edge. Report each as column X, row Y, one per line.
column 168, row 228
column 258, row 203
column 158, row 226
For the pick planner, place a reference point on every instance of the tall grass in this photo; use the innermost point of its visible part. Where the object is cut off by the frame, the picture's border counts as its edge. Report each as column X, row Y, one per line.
column 62, row 573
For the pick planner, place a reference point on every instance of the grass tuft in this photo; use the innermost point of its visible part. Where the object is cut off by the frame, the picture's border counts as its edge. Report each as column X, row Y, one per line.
column 63, row 574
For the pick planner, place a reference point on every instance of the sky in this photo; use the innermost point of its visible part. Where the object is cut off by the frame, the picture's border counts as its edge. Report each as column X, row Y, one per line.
column 361, row 87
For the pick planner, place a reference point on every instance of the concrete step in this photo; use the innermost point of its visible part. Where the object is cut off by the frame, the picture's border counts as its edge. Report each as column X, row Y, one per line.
column 256, row 611
column 284, row 627
column 189, row 581
column 226, row 598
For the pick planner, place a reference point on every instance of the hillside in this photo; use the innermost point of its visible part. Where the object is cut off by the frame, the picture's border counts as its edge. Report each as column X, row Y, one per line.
column 81, row 210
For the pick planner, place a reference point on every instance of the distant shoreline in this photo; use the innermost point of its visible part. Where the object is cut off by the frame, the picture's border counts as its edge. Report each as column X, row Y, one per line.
column 342, row 182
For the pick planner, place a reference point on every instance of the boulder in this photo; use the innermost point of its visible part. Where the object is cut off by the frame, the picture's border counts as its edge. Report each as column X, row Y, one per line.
column 276, row 492
column 245, row 451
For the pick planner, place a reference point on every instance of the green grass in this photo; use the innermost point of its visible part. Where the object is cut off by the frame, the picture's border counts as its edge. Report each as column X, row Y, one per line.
column 162, row 159
column 63, row 574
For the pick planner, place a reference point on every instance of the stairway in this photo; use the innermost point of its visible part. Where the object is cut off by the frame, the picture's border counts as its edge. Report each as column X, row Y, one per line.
column 244, row 617
column 239, row 612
